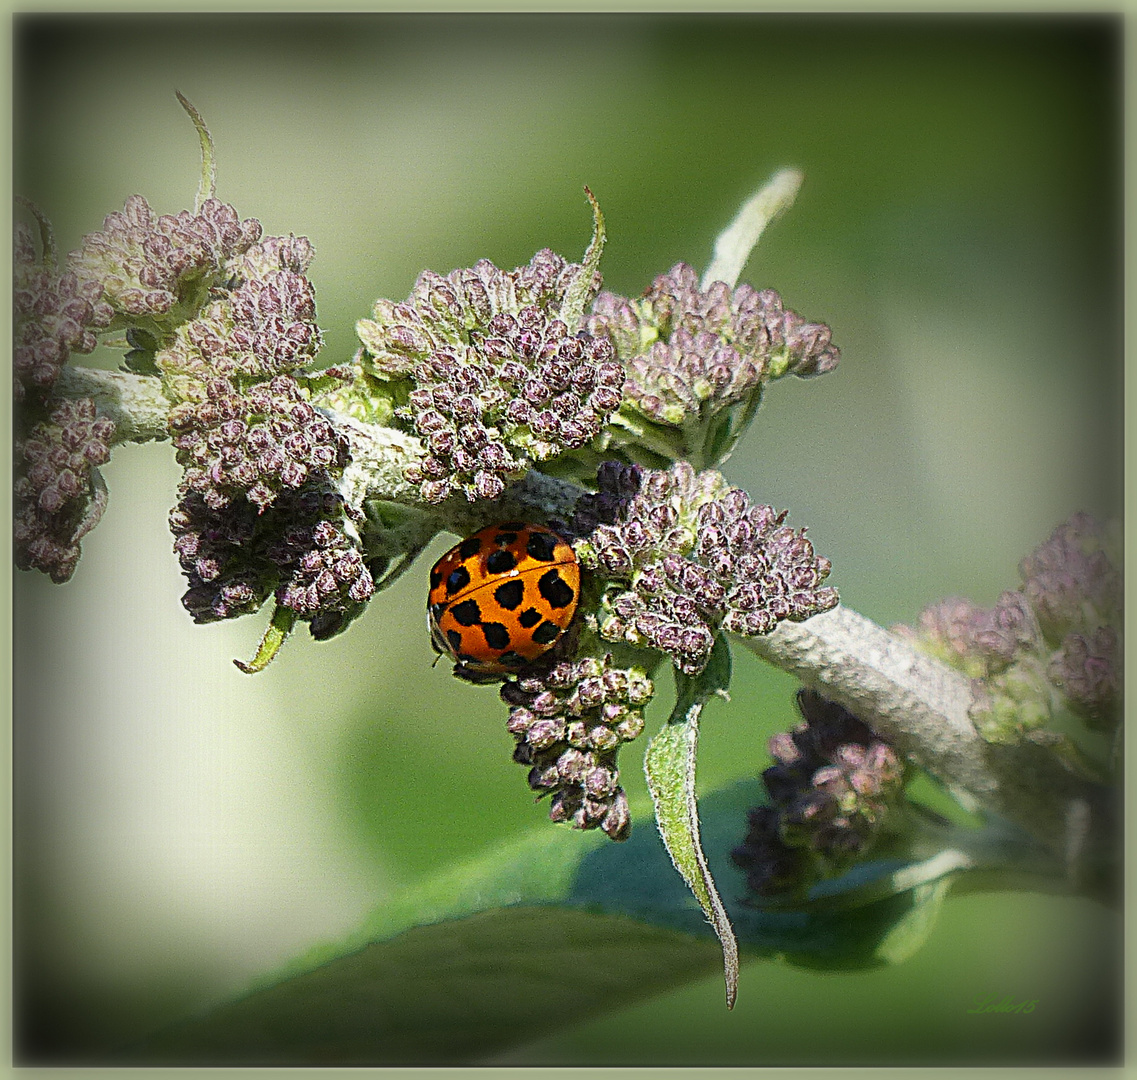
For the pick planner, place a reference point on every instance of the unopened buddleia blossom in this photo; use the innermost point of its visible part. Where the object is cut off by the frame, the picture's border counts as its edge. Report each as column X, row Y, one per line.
column 497, row 379
column 569, row 721
column 1072, row 580
column 978, row 641
column 234, row 557
column 53, row 316
column 255, row 443
column 830, row 791
column 154, row 267
column 258, row 514
column 59, row 496
column 1087, row 669
column 688, row 351
column 689, row 554
column 1054, row 641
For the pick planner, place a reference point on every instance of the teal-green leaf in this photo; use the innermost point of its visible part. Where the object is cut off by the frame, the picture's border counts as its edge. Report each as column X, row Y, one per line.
column 495, row 952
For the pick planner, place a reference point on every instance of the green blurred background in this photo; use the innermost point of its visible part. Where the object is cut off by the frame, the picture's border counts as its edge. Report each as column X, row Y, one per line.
column 182, row 828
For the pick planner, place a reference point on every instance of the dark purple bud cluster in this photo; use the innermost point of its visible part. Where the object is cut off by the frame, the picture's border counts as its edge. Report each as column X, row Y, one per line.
column 1087, row 669
column 226, row 575
column 234, row 557
column 146, row 264
column 255, row 443
column 616, row 485
column 569, row 722
column 688, row 351
column 1060, row 631
column 53, row 316
column 689, row 554
column 497, row 378
column 59, row 496
column 830, row 792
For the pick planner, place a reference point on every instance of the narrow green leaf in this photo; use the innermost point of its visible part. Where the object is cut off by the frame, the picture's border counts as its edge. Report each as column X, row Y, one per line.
column 581, row 291
column 670, row 766
column 283, row 620
column 48, row 250
column 208, row 182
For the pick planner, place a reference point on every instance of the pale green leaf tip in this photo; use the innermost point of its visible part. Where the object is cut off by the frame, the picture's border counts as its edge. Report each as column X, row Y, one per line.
column 738, row 239
column 46, row 233
column 208, row 182
column 580, row 291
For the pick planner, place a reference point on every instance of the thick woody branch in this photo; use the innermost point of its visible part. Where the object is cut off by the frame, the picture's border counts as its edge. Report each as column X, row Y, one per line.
column 135, row 403
column 921, row 706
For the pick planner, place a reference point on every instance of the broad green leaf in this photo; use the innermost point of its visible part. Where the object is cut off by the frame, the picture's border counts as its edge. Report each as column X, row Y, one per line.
column 444, row 994
column 543, row 933
column 670, row 765
column 911, row 931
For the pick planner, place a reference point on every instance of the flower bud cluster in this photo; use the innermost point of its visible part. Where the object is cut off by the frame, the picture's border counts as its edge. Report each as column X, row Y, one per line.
column 53, row 316
column 146, row 265
column 265, row 326
column 689, row 351
column 830, row 792
column 569, row 721
column 979, row 641
column 257, row 514
column 497, row 378
column 58, row 494
column 258, row 443
column 234, row 557
column 690, row 554
column 616, row 485
column 1072, row 580
column 1056, row 640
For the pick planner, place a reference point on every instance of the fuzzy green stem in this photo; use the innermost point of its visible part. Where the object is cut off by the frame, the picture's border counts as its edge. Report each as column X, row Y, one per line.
column 737, row 240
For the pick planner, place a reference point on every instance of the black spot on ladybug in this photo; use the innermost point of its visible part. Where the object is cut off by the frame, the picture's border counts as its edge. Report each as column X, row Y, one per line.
column 455, row 640
column 541, row 546
column 497, row 636
column 506, row 539
column 457, row 580
column 555, row 589
column 467, row 613
column 435, row 578
column 436, row 611
column 529, row 618
column 510, row 595
column 501, row 562
column 546, row 633
column 469, row 548
column 512, row 659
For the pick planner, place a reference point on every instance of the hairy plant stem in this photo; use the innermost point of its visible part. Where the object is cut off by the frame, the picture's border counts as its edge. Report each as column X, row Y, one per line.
column 921, row 706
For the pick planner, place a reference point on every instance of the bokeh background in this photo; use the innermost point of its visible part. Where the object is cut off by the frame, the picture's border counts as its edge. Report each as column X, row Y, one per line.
column 181, row 828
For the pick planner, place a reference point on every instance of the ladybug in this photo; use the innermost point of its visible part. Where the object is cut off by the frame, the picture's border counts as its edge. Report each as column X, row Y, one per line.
column 502, row 597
